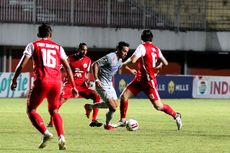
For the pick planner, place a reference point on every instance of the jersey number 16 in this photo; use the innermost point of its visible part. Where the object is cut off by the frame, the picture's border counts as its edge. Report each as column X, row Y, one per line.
column 48, row 56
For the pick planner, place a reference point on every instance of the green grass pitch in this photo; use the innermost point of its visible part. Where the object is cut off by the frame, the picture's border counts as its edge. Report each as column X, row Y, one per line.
column 206, row 128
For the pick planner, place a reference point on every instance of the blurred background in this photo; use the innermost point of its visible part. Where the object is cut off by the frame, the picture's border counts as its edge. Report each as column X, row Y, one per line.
column 194, row 35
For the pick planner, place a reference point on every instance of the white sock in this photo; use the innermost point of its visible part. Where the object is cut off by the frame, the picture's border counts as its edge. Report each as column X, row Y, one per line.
column 62, row 137
column 47, row 133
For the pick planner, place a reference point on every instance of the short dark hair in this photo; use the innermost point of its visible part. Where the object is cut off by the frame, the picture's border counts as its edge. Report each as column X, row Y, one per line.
column 44, row 30
column 147, row 35
column 80, row 46
column 121, row 44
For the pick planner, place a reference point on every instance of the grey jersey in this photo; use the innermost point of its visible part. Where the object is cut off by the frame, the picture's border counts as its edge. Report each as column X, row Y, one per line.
column 108, row 66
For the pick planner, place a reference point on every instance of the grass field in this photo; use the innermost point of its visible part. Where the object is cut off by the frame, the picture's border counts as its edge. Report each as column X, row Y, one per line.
column 206, row 129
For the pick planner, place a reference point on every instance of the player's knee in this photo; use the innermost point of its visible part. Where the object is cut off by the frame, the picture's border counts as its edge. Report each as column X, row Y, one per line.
column 123, row 97
column 96, row 98
column 113, row 109
column 156, row 103
column 29, row 111
column 157, row 107
column 53, row 111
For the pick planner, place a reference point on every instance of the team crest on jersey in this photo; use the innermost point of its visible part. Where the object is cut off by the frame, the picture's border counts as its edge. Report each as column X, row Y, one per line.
column 85, row 65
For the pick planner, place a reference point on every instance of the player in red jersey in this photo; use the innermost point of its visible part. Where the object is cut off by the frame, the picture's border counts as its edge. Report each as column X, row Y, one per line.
column 149, row 60
column 47, row 57
column 80, row 65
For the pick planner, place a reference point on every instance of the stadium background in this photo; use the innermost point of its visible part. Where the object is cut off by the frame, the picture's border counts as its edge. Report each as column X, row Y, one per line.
column 193, row 35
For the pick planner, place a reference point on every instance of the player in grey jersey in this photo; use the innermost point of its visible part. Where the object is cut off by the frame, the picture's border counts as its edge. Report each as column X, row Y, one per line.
column 103, row 70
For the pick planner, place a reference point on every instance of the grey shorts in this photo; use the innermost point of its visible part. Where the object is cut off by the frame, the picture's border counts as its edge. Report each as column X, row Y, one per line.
column 107, row 92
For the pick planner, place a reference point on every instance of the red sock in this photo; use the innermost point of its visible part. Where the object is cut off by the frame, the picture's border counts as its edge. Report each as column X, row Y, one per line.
column 37, row 121
column 96, row 99
column 123, row 108
column 95, row 112
column 168, row 110
column 58, row 124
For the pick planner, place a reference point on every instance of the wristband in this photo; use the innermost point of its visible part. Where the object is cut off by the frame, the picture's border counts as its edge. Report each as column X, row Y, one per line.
column 97, row 80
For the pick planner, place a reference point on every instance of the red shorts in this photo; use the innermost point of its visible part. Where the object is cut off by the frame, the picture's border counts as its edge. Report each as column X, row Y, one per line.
column 148, row 87
column 41, row 90
column 83, row 91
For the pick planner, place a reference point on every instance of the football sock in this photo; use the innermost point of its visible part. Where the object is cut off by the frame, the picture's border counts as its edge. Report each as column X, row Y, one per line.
column 58, row 124
column 123, row 108
column 37, row 121
column 109, row 116
column 95, row 112
column 168, row 110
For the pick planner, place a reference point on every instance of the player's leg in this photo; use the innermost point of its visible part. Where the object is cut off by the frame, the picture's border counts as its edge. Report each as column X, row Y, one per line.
column 153, row 95
column 65, row 95
column 131, row 89
column 36, row 96
column 90, row 107
column 51, row 122
column 112, row 104
column 92, row 94
column 53, row 104
column 109, row 96
column 124, row 97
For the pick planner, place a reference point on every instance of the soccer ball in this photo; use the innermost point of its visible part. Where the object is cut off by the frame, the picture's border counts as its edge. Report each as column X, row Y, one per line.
column 132, row 125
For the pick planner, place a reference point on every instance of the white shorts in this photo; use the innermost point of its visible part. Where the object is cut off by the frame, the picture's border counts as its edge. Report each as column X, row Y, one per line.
column 107, row 92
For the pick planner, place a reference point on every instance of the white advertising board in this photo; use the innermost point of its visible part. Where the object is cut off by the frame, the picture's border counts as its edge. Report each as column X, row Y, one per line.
column 22, row 85
column 211, row 87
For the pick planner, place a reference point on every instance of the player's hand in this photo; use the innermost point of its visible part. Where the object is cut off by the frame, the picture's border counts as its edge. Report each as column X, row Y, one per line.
column 156, row 73
column 75, row 92
column 98, row 83
column 13, row 85
column 133, row 71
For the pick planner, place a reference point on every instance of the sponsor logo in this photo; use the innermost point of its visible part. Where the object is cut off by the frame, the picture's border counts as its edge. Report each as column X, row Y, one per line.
column 122, row 85
column 202, row 87
column 171, row 86
column 85, row 65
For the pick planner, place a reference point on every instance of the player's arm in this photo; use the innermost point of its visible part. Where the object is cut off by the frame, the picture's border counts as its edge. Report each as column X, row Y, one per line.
column 69, row 72
column 162, row 61
column 140, row 51
column 133, row 71
column 87, row 81
column 95, row 68
column 23, row 61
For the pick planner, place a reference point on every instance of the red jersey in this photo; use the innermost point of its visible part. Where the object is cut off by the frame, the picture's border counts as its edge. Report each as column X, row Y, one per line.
column 148, row 55
column 46, row 56
column 80, row 67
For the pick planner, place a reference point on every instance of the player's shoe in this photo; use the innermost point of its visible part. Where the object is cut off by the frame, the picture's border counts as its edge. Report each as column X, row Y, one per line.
column 109, row 127
column 45, row 139
column 95, row 124
column 62, row 144
column 178, row 121
column 120, row 123
column 87, row 110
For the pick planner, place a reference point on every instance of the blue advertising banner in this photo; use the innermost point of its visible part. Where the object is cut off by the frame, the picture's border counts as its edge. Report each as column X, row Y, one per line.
column 175, row 86
column 168, row 86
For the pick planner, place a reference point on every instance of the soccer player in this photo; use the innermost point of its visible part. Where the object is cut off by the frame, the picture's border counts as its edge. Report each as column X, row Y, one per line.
column 47, row 57
column 104, row 69
column 149, row 61
column 80, row 65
